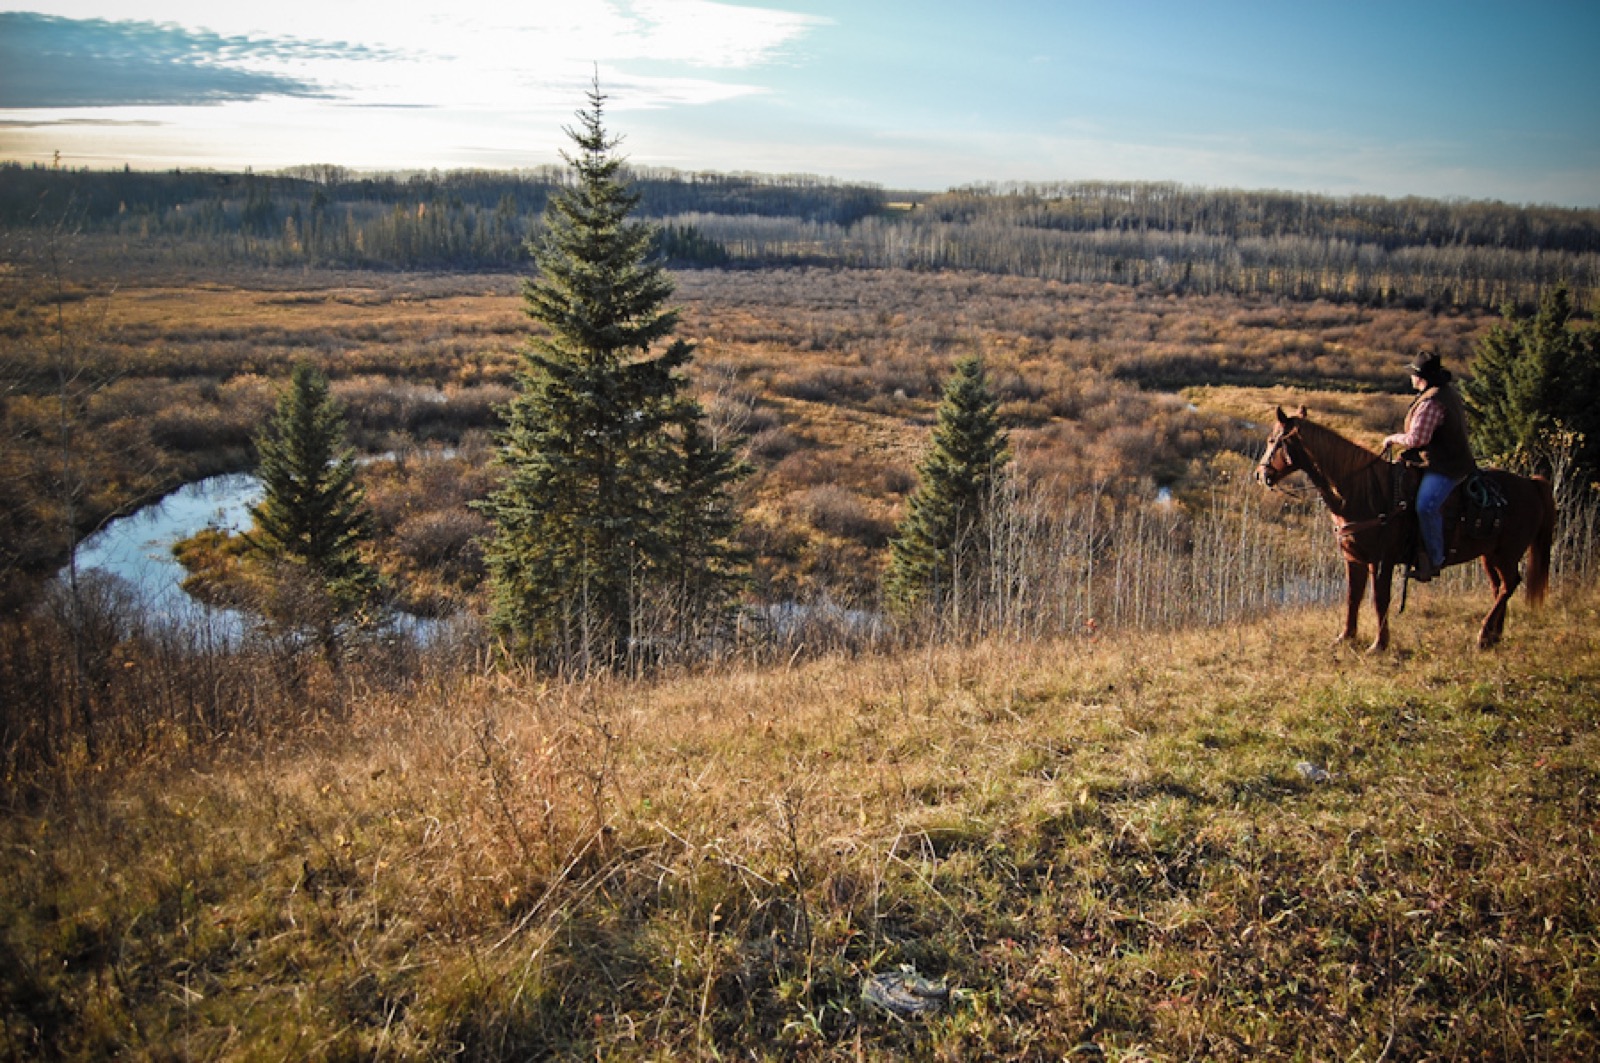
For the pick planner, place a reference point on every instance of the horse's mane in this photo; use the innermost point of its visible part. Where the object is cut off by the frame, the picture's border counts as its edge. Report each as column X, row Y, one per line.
column 1338, row 457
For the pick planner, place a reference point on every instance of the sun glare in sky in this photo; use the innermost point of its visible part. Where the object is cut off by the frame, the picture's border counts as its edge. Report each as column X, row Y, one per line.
column 1474, row 99
column 370, row 85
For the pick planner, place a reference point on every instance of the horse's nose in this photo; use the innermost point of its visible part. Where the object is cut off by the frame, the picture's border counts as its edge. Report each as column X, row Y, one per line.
column 1264, row 475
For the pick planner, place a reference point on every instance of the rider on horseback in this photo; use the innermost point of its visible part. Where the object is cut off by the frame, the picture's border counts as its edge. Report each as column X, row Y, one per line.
column 1436, row 437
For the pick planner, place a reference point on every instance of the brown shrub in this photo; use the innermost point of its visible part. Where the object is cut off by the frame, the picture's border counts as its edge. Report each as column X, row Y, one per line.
column 840, row 511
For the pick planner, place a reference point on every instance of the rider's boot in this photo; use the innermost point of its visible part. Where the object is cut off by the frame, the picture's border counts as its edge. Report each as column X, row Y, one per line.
column 1423, row 569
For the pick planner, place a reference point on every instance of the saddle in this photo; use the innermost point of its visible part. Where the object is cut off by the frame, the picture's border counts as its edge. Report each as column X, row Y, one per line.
column 1476, row 508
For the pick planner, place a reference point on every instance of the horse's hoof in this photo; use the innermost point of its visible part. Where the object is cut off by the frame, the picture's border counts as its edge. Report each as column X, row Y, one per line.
column 1379, row 646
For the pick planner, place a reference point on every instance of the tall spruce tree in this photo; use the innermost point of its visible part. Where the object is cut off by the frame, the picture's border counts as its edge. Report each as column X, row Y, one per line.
column 1533, row 377
column 591, row 517
column 940, row 550
column 312, row 517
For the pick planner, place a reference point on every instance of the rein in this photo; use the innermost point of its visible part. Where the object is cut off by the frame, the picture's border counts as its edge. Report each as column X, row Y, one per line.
column 1293, row 494
column 1347, row 530
column 1329, row 487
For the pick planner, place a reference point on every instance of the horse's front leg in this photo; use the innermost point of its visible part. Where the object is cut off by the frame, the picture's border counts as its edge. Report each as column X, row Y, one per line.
column 1382, row 586
column 1355, row 574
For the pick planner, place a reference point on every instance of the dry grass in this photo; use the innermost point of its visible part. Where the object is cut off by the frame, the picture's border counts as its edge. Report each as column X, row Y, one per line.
column 1367, row 419
column 1101, row 842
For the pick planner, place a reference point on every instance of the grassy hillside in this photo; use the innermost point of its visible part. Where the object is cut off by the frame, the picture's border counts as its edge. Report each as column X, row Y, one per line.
column 1217, row 844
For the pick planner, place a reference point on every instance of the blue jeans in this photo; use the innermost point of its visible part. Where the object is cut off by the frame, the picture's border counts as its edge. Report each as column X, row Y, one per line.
column 1431, row 495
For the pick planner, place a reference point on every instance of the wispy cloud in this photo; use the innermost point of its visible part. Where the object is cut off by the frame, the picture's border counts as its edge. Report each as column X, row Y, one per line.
column 476, row 81
column 57, row 123
column 726, row 36
column 650, row 52
column 51, row 62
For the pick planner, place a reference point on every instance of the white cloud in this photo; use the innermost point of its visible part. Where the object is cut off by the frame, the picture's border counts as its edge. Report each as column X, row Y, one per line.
column 492, row 34
column 725, row 36
column 481, row 71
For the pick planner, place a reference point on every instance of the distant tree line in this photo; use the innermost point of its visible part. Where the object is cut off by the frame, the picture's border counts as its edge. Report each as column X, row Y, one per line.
column 1089, row 206
column 327, row 215
column 1315, row 263
column 1367, row 249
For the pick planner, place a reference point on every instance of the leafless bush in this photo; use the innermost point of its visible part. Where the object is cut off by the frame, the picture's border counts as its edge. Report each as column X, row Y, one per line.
column 804, row 468
column 379, row 405
column 1085, row 562
column 838, row 510
column 442, row 538
column 1576, row 553
column 92, row 677
column 774, row 444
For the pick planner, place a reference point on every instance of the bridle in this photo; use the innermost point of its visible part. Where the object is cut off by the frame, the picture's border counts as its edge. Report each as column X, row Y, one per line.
column 1270, row 474
column 1267, row 473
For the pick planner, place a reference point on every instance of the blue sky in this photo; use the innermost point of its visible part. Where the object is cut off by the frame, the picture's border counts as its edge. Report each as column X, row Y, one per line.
column 1482, row 100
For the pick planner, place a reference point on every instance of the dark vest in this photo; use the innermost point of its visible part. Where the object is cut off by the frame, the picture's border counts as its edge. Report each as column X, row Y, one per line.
column 1449, row 452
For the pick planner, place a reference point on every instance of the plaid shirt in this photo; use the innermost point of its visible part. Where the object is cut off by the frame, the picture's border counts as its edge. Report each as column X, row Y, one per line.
column 1425, row 417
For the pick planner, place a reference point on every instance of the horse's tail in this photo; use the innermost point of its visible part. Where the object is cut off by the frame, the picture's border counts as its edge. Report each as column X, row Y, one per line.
column 1543, row 542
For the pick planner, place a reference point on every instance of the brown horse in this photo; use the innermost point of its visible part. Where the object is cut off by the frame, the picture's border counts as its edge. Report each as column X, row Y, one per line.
column 1371, row 501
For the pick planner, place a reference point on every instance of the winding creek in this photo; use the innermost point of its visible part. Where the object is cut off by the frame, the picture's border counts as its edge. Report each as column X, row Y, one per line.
column 137, row 549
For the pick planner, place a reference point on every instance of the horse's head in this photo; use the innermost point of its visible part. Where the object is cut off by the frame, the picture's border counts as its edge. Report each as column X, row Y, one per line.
column 1278, row 460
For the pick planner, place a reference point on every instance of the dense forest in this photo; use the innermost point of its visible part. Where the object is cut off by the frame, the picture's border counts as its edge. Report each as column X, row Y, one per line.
column 1413, row 252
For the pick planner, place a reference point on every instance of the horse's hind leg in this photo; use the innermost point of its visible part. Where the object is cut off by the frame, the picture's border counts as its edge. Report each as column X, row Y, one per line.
column 1355, row 575
column 1490, row 570
column 1505, row 579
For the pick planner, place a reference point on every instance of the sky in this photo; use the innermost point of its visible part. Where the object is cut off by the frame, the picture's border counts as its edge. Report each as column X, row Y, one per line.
column 1459, row 99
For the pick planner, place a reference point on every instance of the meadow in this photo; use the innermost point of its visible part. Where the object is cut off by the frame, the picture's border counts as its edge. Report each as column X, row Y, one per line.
column 1141, row 809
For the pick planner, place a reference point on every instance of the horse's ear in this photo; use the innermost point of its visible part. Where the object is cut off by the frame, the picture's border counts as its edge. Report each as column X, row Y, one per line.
column 1302, row 412
column 1282, row 418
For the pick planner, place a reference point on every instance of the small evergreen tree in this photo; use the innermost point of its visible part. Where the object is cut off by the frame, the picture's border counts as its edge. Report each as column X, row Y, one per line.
column 939, row 552
column 312, row 517
column 1532, row 377
column 705, row 565
column 600, row 491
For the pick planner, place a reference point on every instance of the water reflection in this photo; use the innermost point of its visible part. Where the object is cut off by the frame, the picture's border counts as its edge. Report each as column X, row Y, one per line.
column 137, row 549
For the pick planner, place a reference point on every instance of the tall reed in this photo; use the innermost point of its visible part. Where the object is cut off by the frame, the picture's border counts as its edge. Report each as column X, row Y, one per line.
column 1086, row 562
